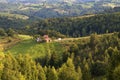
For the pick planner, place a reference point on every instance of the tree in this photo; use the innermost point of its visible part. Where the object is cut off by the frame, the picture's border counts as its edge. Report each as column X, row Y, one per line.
column 27, row 67
column 41, row 73
column 11, row 32
column 79, row 73
column 113, row 62
column 11, row 69
column 51, row 74
column 12, row 75
column 98, row 69
column 93, row 41
column 119, row 35
column 54, row 61
column 115, row 59
column 86, row 71
column 116, row 73
column 67, row 71
column 2, row 32
column 1, row 69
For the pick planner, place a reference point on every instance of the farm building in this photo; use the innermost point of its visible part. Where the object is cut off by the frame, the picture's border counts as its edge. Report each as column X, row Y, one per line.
column 45, row 38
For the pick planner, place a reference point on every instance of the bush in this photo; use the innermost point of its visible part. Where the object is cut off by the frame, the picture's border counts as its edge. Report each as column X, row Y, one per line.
column 116, row 73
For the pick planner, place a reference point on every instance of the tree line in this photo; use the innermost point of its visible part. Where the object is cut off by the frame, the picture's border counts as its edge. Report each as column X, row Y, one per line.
column 22, row 67
column 9, row 32
column 65, row 27
column 76, row 26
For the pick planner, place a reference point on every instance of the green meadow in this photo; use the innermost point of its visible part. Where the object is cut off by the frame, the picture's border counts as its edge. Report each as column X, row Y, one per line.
column 34, row 49
column 17, row 16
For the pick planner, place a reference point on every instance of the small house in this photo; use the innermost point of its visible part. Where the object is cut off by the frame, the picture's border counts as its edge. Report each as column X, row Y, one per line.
column 46, row 38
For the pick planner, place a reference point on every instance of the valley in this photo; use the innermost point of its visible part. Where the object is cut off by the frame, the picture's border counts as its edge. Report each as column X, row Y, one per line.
column 59, row 40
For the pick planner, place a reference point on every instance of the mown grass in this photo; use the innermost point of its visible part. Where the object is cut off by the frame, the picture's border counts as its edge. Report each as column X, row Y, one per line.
column 35, row 49
column 24, row 37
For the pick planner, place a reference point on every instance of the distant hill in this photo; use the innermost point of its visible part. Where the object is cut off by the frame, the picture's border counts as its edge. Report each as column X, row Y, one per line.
column 33, row 1
column 56, row 8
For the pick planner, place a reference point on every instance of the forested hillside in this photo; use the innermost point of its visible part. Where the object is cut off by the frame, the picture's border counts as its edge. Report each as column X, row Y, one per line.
column 79, row 26
column 14, row 22
column 92, row 58
column 68, row 26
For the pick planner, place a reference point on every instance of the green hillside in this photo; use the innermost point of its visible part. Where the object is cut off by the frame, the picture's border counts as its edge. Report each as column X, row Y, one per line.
column 94, row 56
column 79, row 26
column 35, row 49
column 40, row 41
column 17, row 16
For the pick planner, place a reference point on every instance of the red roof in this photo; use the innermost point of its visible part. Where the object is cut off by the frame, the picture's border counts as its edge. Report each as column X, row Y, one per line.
column 45, row 36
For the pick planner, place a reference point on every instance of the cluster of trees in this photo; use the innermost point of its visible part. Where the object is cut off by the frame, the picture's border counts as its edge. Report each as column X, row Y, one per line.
column 96, row 56
column 83, row 59
column 11, row 22
column 22, row 67
column 8, row 32
column 76, row 27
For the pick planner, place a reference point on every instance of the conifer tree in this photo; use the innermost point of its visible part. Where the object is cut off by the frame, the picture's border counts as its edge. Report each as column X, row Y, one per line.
column 51, row 74
column 116, row 73
column 41, row 73
column 86, row 71
column 67, row 71
column 79, row 73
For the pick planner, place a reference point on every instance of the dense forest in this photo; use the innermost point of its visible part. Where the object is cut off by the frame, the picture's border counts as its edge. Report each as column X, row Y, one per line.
column 93, row 58
column 68, row 26
column 79, row 26
column 12, row 22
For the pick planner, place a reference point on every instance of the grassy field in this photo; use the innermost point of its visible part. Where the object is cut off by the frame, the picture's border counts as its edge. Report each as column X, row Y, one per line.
column 17, row 16
column 8, row 42
column 28, row 45
column 35, row 49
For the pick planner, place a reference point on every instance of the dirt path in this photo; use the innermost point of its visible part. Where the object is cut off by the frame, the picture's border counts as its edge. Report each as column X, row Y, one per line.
column 87, row 37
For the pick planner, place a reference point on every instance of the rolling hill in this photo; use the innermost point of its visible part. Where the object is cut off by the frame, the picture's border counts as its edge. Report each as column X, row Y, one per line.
column 25, row 44
column 16, row 16
column 80, row 47
column 57, row 8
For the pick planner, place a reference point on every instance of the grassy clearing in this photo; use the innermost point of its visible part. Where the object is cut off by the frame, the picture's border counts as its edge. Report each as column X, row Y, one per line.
column 28, row 45
column 85, row 16
column 8, row 42
column 24, row 37
column 17, row 16
column 35, row 49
